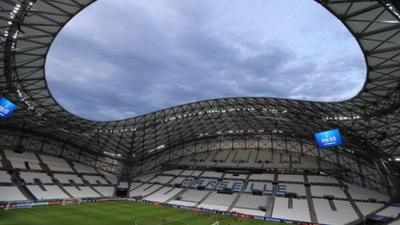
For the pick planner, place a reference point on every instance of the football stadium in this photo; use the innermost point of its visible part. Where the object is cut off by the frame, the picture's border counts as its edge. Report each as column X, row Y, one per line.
column 211, row 161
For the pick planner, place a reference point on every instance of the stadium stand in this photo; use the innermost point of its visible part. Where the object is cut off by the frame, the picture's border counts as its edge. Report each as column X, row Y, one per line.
column 24, row 160
column 11, row 193
column 81, row 192
column 321, row 191
column 56, row 163
column 106, row 191
column 164, row 194
column 95, row 179
column 391, row 211
column 334, row 211
column 254, row 202
column 30, row 177
column 5, row 177
column 144, row 190
column 81, row 168
column 68, row 178
column 217, row 201
column 47, row 192
column 189, row 197
column 161, row 179
column 291, row 209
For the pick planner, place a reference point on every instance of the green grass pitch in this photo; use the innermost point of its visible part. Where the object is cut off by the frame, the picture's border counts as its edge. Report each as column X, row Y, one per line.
column 115, row 213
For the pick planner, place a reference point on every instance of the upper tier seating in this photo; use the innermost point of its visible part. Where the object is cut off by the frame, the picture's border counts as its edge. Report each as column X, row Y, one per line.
column 212, row 174
column 161, row 179
column 343, row 214
column 299, row 210
column 172, row 172
column 177, row 180
column 81, row 168
column 235, row 176
column 262, row 177
column 315, row 179
column 359, row 193
column 65, row 178
column 321, row 191
column 217, row 201
column 95, row 179
column 144, row 178
column 241, row 156
column 144, row 190
column 367, row 208
column 110, row 177
column 192, row 173
column 25, row 160
column 29, row 177
column 85, row 192
column 5, row 177
column 221, row 156
column 56, row 163
column 164, row 194
column 391, row 211
column 11, row 193
column 290, row 178
column 251, row 201
column 106, row 191
column 50, row 192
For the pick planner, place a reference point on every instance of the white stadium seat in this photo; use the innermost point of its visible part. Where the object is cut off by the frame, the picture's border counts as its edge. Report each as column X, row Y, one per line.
column 85, row 192
column 161, row 179
column 29, row 177
column 218, row 201
column 249, row 201
column 5, row 177
column 11, row 193
column 106, row 191
column 164, row 194
column 343, row 214
column 25, row 160
column 298, row 212
column 81, row 168
column 56, row 163
column 50, row 192
column 95, row 179
column 65, row 178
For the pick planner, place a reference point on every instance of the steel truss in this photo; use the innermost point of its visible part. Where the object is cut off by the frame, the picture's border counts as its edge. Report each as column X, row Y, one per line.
column 369, row 121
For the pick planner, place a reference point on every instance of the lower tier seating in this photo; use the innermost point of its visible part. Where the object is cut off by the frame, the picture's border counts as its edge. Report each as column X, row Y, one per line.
column 217, row 201
column 11, row 193
column 164, row 194
column 47, row 192
column 336, row 212
column 82, row 192
column 291, row 209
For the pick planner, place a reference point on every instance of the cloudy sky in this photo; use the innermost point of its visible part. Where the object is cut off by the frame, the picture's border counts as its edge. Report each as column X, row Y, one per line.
column 119, row 59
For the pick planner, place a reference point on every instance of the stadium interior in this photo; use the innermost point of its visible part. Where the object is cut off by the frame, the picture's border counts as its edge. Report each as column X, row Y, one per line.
column 245, row 156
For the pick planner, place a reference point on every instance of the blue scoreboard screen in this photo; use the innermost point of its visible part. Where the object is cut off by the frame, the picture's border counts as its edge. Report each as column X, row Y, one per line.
column 6, row 108
column 330, row 138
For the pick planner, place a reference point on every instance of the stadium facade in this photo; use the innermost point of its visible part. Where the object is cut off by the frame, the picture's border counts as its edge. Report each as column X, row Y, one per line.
column 369, row 122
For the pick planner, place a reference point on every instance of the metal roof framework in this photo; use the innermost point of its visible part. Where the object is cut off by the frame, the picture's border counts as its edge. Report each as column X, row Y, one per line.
column 369, row 121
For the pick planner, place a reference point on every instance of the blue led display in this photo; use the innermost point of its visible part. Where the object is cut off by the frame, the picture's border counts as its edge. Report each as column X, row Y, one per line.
column 6, row 108
column 330, row 138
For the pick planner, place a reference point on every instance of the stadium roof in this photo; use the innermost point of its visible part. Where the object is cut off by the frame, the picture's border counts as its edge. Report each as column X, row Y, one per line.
column 369, row 122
